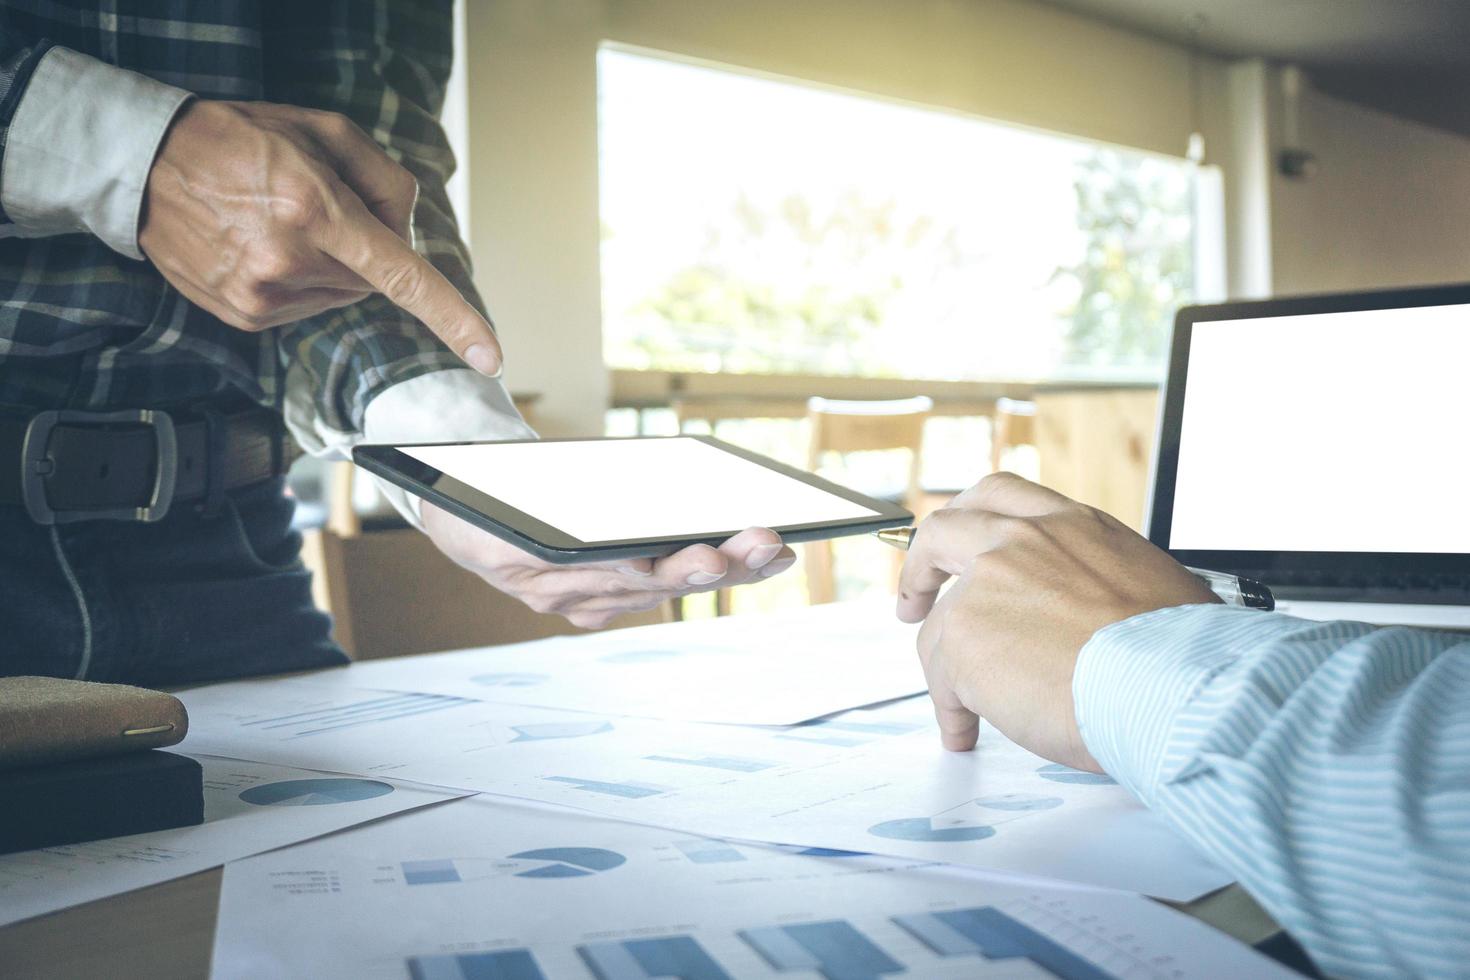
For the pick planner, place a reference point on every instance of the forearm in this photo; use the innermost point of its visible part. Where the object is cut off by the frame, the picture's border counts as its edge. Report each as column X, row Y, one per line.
column 1323, row 763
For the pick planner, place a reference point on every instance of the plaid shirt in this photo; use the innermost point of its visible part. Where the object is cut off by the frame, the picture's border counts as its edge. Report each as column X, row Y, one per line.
column 82, row 326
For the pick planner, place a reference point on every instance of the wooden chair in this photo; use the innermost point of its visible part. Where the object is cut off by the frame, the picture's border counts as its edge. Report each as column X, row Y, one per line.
column 843, row 427
column 1013, row 424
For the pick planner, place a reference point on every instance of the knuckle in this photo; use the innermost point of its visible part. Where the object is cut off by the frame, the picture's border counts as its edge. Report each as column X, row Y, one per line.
column 332, row 124
column 254, row 304
column 404, row 285
column 589, row 621
column 299, row 205
column 272, row 266
column 405, row 185
column 1023, row 529
column 539, row 603
column 993, row 483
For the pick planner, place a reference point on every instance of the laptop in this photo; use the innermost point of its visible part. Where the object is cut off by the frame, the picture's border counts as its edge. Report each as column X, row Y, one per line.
column 1321, row 445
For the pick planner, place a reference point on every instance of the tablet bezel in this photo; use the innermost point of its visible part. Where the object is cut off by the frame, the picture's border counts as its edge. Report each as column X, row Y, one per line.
column 554, row 545
column 1255, row 420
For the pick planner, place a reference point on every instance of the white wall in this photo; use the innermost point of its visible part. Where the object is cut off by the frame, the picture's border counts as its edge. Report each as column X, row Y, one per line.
column 1389, row 204
column 531, row 74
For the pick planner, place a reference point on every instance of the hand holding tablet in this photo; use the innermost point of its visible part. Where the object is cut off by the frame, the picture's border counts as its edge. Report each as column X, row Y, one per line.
column 593, row 594
column 594, row 528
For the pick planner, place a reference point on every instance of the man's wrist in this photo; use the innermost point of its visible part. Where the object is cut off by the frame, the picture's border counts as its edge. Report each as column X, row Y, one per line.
column 1132, row 679
column 80, row 147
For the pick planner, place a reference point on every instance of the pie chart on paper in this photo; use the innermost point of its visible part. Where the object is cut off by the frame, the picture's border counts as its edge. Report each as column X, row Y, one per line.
column 315, row 792
column 567, row 862
column 931, row 831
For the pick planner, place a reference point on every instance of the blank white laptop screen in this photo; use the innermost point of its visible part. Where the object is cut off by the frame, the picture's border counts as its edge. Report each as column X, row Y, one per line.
column 606, row 490
column 1335, row 432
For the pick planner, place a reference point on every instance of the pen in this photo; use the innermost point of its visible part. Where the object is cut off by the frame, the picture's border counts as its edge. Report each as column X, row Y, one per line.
column 1233, row 589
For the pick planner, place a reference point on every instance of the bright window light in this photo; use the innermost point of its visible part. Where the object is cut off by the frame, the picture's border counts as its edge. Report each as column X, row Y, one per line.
column 758, row 225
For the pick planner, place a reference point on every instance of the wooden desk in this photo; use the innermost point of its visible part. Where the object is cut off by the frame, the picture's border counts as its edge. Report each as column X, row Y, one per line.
column 164, row 932
column 167, row 932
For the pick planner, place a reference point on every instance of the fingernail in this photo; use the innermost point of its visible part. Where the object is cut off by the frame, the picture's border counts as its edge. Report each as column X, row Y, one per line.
column 761, row 556
column 776, row 568
column 633, row 570
column 704, row 578
column 478, row 356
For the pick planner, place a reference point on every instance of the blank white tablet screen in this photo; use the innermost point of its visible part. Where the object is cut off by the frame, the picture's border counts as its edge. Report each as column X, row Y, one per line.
column 1327, row 432
column 620, row 489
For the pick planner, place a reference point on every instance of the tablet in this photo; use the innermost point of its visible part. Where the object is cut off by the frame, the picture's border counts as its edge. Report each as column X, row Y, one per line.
column 576, row 500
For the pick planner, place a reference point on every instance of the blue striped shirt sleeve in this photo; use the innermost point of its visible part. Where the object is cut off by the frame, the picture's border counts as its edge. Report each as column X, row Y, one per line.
column 1326, row 764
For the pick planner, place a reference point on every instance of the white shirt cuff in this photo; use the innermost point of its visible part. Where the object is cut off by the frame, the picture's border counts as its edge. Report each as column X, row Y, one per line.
column 441, row 406
column 1134, row 677
column 80, row 147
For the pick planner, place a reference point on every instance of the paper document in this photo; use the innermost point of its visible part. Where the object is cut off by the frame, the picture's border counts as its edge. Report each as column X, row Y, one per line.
column 752, row 670
column 492, row 889
column 999, row 807
column 551, row 756
column 248, row 808
column 872, row 779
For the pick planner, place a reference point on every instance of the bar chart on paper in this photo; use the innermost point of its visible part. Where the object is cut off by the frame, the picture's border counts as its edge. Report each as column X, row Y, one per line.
column 370, row 710
column 568, row 895
column 836, row 950
column 504, row 964
column 991, row 934
column 648, row 959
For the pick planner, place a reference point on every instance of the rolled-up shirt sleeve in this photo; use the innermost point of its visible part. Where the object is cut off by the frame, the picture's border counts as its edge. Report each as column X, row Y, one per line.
column 79, row 147
column 1326, row 764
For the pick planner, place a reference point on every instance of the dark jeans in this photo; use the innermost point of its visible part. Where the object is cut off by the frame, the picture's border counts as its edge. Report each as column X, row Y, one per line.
column 193, row 597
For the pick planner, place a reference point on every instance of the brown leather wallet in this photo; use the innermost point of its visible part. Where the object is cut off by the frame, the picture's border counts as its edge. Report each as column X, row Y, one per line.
column 47, row 719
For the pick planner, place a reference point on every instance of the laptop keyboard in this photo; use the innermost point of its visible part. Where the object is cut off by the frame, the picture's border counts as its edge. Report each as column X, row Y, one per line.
column 1451, row 589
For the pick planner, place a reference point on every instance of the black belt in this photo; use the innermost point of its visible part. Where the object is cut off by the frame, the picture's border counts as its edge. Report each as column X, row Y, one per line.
column 66, row 466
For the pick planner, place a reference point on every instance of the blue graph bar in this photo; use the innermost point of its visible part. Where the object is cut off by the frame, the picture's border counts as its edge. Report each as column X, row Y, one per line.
column 677, row 957
column 989, row 932
column 505, row 964
column 834, row 949
column 871, row 727
column 435, row 872
column 631, row 791
column 708, row 851
column 841, row 741
column 715, row 762
column 845, row 734
column 367, row 712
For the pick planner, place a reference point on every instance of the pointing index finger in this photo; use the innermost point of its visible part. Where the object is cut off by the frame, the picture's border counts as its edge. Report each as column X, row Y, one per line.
column 372, row 250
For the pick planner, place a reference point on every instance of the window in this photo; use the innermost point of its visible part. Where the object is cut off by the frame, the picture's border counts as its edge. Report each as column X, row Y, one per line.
column 756, row 225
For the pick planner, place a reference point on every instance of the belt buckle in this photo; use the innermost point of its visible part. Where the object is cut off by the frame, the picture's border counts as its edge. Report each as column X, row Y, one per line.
column 36, row 466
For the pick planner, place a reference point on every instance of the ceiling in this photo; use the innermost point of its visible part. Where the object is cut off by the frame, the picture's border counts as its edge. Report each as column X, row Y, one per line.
column 1408, row 57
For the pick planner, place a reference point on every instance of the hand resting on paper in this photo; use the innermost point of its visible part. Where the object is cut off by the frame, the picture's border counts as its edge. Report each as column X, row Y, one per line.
column 592, row 595
column 1037, row 574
